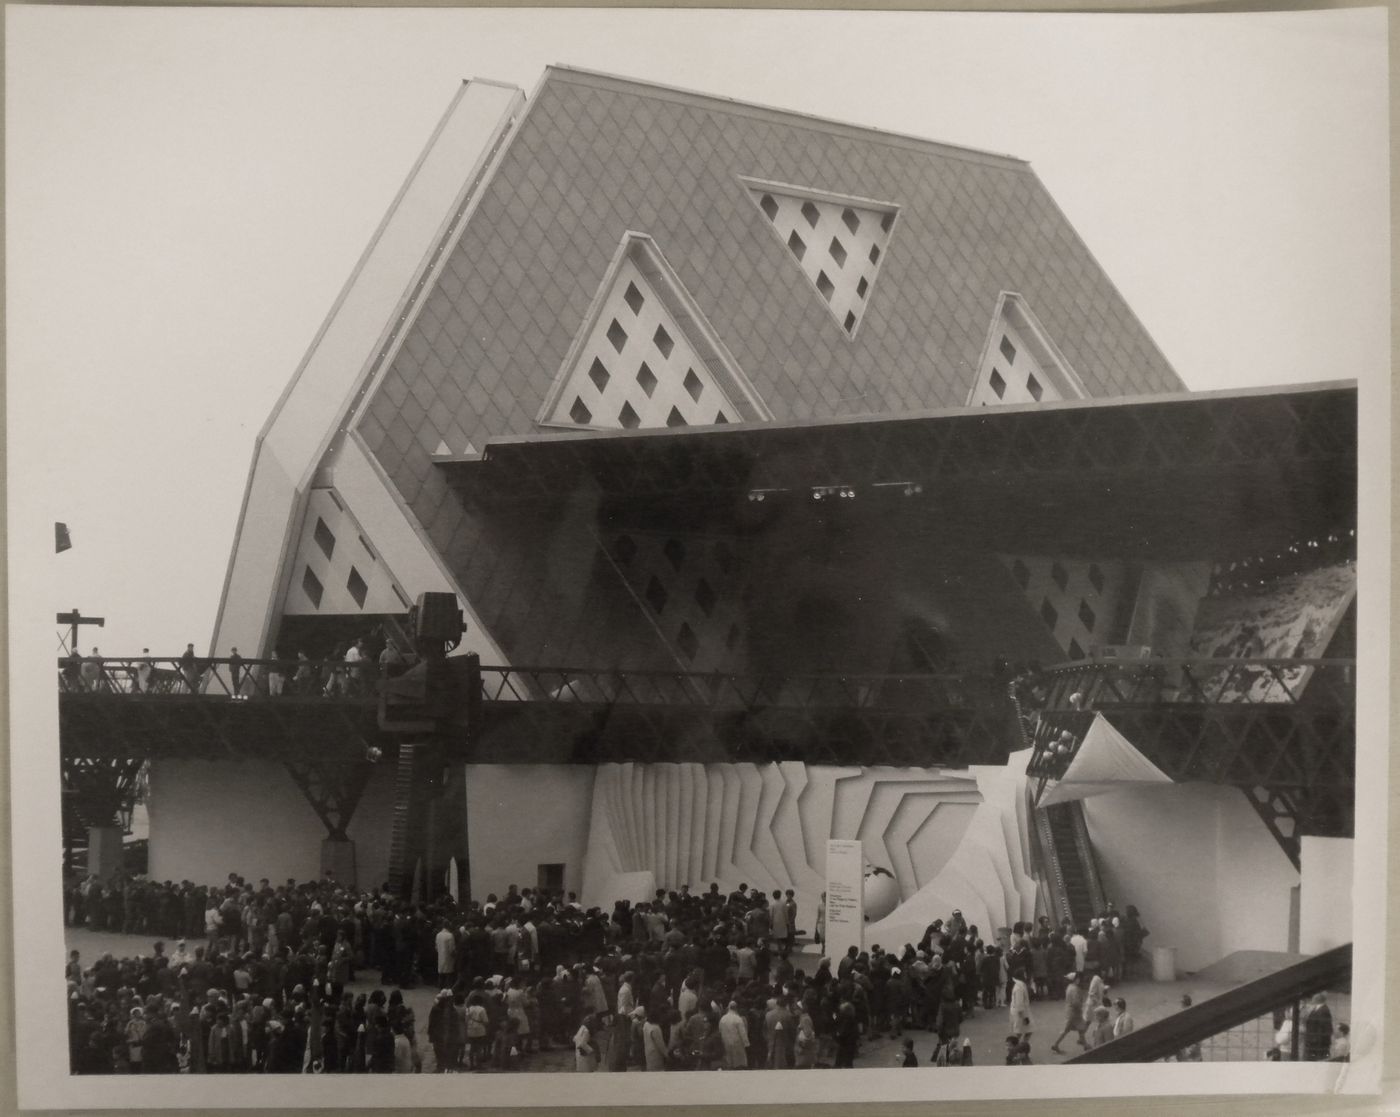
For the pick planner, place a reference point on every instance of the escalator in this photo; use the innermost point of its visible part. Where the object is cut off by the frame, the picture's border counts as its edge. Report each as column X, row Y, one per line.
column 1067, row 862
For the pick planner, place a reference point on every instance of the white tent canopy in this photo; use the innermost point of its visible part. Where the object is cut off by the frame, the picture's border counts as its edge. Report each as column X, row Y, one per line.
column 1106, row 761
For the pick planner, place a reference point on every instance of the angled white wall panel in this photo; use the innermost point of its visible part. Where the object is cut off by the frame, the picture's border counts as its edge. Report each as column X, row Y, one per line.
column 725, row 868
column 685, row 796
column 765, row 846
column 714, row 822
column 314, row 411
column 937, row 839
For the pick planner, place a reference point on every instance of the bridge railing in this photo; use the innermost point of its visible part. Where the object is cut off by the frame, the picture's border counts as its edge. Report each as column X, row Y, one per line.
column 273, row 678
column 157, row 676
column 1265, row 1019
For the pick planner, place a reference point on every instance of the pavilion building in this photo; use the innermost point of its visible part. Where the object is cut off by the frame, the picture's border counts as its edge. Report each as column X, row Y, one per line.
column 661, row 382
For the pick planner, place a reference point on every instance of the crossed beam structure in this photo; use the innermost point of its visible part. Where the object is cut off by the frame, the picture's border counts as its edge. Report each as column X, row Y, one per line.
column 1281, row 730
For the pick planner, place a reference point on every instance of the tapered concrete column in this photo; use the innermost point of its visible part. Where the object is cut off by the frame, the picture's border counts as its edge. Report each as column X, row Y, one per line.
column 104, row 851
column 338, row 857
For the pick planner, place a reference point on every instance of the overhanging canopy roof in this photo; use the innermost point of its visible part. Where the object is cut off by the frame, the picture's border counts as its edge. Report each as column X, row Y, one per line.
column 1221, row 471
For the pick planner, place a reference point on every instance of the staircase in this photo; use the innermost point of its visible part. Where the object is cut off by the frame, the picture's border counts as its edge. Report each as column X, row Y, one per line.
column 1237, row 1025
column 1076, row 892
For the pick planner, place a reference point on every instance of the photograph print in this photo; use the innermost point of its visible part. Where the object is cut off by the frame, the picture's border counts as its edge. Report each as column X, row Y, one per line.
column 745, row 575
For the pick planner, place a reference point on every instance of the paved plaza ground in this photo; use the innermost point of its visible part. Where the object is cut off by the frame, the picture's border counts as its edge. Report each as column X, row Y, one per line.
column 1148, row 1001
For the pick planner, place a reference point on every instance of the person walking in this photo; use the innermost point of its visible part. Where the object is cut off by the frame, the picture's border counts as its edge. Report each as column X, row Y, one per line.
column 1123, row 1023
column 1074, row 1013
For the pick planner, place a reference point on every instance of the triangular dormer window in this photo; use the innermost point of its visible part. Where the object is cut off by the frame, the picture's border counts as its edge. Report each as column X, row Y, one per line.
column 1020, row 364
column 837, row 241
column 645, row 356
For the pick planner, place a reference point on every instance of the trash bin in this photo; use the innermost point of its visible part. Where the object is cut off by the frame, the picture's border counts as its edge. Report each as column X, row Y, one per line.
column 1164, row 963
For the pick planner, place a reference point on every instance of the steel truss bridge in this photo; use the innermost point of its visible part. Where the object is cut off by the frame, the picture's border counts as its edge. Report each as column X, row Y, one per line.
column 1283, row 731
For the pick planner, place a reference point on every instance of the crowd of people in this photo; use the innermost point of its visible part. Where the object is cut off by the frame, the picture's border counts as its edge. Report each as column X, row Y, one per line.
column 685, row 981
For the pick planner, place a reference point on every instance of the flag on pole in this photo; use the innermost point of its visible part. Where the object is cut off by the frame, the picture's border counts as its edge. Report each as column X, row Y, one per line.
column 61, row 539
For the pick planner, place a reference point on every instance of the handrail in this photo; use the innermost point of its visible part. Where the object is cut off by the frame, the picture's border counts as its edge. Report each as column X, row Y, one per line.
column 262, row 678
column 1164, row 1038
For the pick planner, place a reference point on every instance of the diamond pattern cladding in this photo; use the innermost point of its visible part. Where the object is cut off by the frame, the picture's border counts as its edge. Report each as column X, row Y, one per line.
column 595, row 157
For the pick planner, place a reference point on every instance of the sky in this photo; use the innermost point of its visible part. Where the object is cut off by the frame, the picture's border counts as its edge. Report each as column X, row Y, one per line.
column 188, row 190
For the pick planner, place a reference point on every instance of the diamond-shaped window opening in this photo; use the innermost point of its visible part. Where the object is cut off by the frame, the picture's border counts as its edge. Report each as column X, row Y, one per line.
column 1061, row 575
column 656, row 595
column 628, row 417
column 674, row 551
column 811, row 213
column 1008, row 350
column 647, row 379
column 311, row 586
column 825, row 286
column 693, row 384
column 862, row 287
column 663, row 341
column 675, row 418
column 598, row 373
column 838, row 252
column 356, row 585
column 580, row 414
column 850, row 322
column 797, row 244
column 1022, row 573
column 874, row 253
column 1086, row 616
column 850, row 219
column 887, row 222
column 624, row 549
column 731, row 639
column 633, row 298
column 998, row 384
column 1048, row 613
column 1075, row 651
column 1096, row 577
column 325, row 538
column 1036, row 389
column 617, row 335
column 687, row 641
column 769, row 207
column 705, row 596
column 720, row 419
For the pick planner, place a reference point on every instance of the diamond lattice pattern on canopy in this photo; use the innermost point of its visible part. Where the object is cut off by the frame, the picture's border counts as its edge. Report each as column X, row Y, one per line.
column 837, row 242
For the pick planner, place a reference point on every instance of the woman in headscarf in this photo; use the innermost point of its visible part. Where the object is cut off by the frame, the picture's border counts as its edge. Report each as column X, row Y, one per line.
column 136, row 1038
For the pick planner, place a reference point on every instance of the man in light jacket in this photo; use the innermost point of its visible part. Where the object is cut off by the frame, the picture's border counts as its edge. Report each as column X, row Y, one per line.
column 734, row 1035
